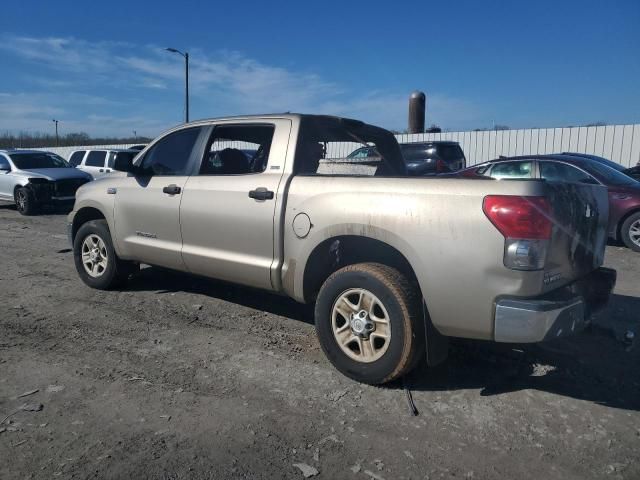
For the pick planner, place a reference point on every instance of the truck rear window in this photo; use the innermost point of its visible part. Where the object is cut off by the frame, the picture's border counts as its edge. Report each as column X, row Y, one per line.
column 326, row 146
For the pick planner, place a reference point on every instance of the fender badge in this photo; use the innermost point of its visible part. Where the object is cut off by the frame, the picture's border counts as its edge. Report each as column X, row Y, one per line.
column 112, row 191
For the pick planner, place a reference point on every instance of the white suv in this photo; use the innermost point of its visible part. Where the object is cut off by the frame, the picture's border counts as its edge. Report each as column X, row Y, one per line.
column 97, row 162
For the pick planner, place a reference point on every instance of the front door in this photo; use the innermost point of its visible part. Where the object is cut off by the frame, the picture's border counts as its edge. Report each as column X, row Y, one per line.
column 147, row 205
column 228, row 208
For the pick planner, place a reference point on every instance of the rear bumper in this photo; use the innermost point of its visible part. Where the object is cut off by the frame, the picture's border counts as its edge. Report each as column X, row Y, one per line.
column 560, row 313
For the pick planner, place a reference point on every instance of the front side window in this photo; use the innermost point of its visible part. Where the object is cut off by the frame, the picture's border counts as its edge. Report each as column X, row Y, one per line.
column 238, row 150
column 30, row 161
column 562, row 172
column 96, row 158
column 520, row 169
column 171, row 154
column 76, row 158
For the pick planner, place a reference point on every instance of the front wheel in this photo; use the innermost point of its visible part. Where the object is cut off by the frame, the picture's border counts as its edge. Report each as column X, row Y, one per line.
column 25, row 201
column 95, row 258
column 369, row 323
column 630, row 232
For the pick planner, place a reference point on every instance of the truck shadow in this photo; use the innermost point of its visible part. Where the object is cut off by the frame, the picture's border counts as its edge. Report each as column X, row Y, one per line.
column 595, row 366
column 168, row 281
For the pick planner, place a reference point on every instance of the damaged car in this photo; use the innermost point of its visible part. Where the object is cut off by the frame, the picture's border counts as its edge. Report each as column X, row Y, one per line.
column 33, row 179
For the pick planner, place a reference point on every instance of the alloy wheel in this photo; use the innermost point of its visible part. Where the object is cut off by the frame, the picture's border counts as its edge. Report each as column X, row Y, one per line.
column 361, row 325
column 94, row 255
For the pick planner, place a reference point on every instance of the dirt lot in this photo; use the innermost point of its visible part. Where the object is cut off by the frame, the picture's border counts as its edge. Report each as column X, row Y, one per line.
column 179, row 377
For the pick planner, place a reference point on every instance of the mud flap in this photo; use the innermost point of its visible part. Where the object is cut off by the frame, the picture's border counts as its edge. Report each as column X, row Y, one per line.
column 436, row 344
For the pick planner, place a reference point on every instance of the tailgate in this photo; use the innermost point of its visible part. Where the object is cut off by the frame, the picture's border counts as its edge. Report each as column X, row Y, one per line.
column 579, row 236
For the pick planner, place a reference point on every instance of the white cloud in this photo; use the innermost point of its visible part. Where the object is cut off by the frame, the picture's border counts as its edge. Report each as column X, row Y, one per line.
column 144, row 82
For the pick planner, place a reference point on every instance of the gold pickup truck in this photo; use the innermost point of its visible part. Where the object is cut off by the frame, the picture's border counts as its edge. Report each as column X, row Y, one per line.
column 394, row 264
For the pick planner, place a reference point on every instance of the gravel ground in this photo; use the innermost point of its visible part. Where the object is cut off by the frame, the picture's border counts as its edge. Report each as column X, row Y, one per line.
column 180, row 377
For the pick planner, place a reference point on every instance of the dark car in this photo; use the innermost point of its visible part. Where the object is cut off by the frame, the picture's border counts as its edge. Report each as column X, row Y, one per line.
column 624, row 192
column 633, row 172
column 424, row 158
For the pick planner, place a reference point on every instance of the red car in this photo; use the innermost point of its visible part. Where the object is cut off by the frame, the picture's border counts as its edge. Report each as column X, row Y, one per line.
column 624, row 191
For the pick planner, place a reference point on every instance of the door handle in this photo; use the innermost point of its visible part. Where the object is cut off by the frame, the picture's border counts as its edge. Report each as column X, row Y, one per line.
column 261, row 194
column 171, row 189
column 102, row 170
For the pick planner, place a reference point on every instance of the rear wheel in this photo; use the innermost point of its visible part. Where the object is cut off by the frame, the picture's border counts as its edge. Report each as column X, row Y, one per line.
column 25, row 201
column 369, row 323
column 630, row 232
column 95, row 258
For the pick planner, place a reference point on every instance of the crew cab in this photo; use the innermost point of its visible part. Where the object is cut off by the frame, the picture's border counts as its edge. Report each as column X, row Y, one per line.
column 393, row 264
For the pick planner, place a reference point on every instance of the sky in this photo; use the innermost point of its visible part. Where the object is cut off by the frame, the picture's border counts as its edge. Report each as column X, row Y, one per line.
column 101, row 67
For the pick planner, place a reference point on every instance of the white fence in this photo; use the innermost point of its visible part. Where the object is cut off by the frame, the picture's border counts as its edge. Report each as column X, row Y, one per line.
column 620, row 143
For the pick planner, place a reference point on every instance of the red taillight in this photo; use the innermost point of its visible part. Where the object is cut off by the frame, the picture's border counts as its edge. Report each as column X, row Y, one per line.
column 519, row 217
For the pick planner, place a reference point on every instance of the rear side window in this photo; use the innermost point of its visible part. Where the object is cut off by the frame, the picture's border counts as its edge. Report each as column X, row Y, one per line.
column 562, row 172
column 415, row 153
column 96, row 158
column 512, row 170
column 238, row 150
column 76, row 158
column 450, row 152
column 4, row 163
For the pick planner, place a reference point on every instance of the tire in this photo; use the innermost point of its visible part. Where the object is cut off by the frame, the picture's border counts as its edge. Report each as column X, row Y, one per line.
column 381, row 292
column 630, row 232
column 25, row 201
column 104, row 270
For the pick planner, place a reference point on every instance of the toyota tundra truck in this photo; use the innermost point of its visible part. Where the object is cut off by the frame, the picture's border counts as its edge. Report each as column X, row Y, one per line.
column 395, row 265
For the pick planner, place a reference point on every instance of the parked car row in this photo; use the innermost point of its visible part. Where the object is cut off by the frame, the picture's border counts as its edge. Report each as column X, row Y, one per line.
column 420, row 158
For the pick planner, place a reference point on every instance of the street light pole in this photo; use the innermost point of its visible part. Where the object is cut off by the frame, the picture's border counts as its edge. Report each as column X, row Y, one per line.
column 185, row 55
column 56, row 122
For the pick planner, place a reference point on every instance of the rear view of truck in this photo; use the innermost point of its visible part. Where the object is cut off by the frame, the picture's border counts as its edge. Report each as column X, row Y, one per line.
column 562, row 235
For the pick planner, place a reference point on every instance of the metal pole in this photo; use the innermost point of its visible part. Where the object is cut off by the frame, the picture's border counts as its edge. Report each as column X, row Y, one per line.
column 57, row 140
column 186, row 86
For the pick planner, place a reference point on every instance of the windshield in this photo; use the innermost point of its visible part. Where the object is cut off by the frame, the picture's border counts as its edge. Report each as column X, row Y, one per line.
column 30, row 161
column 608, row 175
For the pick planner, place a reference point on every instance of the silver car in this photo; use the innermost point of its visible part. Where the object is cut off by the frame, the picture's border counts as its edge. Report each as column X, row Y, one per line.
column 33, row 178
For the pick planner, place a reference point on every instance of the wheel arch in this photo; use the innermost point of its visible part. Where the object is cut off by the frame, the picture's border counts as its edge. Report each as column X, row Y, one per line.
column 338, row 251
column 84, row 215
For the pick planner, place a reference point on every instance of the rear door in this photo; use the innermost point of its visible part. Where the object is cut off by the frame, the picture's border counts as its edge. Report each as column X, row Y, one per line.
column 147, row 205
column 229, row 208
